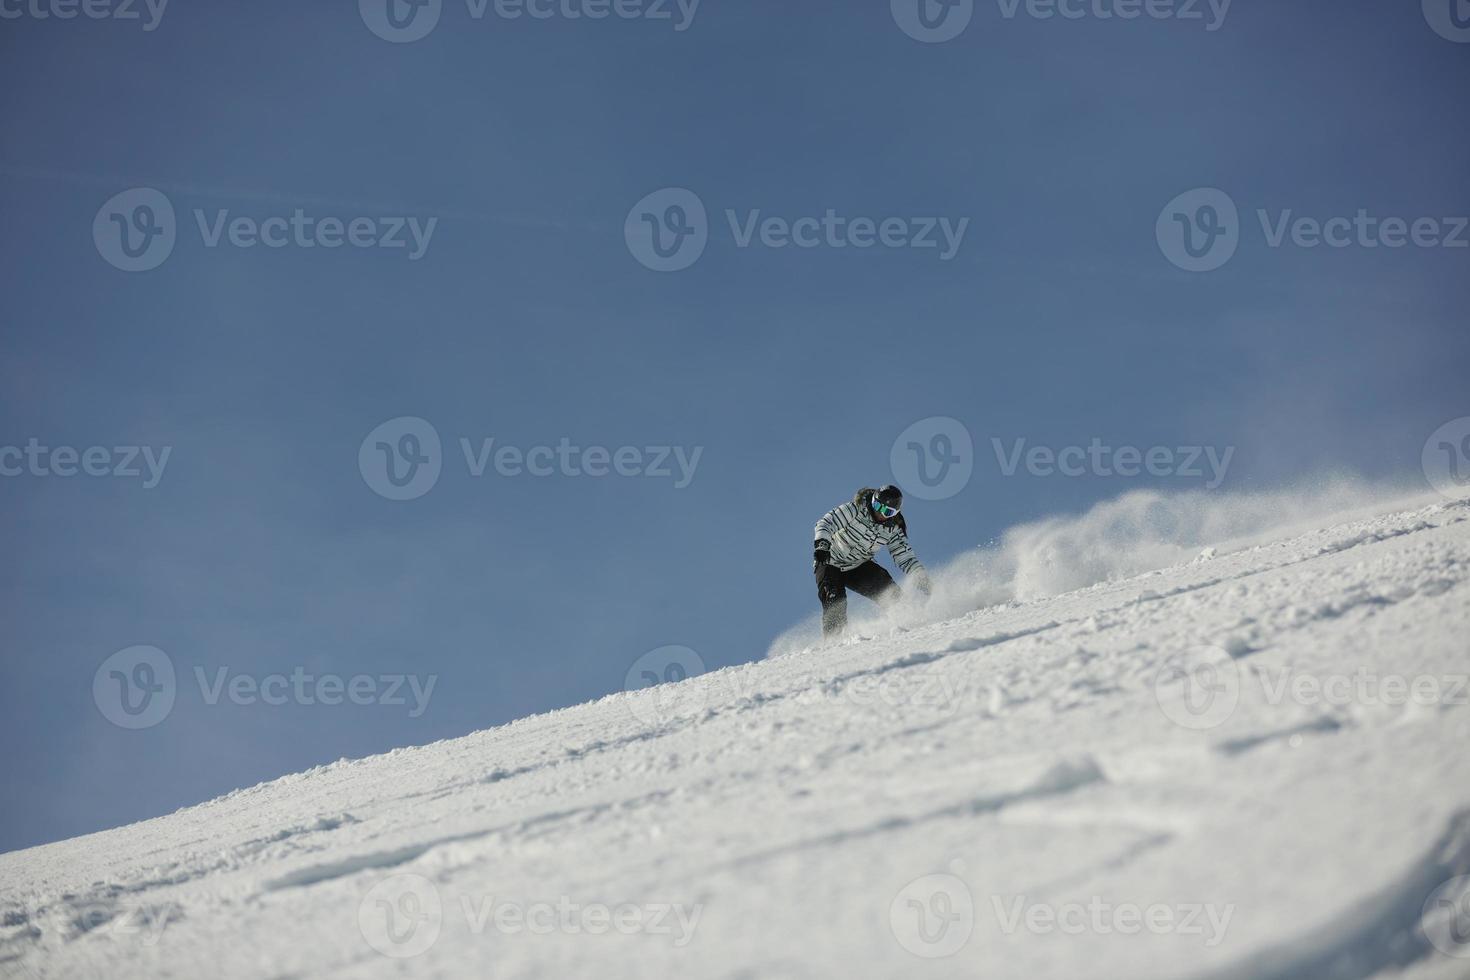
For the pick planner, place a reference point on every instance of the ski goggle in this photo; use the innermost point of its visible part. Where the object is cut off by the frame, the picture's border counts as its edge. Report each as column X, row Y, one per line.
column 883, row 510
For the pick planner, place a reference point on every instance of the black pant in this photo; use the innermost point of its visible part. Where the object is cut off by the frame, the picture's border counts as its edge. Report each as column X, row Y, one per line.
column 869, row 580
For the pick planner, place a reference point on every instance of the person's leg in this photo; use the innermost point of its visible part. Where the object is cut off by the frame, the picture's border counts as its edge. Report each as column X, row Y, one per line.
column 832, row 592
column 872, row 581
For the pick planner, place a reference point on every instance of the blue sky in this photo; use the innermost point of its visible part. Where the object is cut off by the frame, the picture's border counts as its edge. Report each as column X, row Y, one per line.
column 528, row 318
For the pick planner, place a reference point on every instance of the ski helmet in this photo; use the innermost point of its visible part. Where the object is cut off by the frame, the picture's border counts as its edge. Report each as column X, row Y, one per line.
column 887, row 502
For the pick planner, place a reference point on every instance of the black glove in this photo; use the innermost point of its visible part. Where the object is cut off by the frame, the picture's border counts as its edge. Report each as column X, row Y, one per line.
column 821, row 554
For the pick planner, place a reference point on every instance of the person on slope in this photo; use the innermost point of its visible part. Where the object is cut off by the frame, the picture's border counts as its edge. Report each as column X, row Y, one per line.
column 848, row 536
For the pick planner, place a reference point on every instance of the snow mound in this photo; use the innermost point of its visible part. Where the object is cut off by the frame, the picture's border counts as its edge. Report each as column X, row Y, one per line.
column 1146, row 760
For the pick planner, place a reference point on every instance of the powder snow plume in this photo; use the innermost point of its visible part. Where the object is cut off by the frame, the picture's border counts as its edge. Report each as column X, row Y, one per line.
column 1139, row 531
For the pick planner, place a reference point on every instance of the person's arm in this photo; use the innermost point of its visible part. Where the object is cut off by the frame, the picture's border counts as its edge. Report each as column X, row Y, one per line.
column 822, row 535
column 904, row 558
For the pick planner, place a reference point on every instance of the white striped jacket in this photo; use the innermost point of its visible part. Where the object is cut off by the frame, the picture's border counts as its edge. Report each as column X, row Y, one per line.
column 855, row 537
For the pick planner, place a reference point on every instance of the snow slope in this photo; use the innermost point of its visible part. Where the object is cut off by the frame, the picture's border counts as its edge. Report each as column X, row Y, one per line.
column 1249, row 764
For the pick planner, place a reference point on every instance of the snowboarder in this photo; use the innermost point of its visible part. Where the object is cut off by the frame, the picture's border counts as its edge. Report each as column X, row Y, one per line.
column 848, row 536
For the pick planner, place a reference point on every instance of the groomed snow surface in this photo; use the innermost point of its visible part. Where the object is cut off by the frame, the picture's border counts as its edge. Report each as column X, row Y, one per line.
column 1252, row 763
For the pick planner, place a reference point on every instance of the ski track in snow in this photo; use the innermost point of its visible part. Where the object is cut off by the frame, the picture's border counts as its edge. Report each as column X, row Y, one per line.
column 1022, row 750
